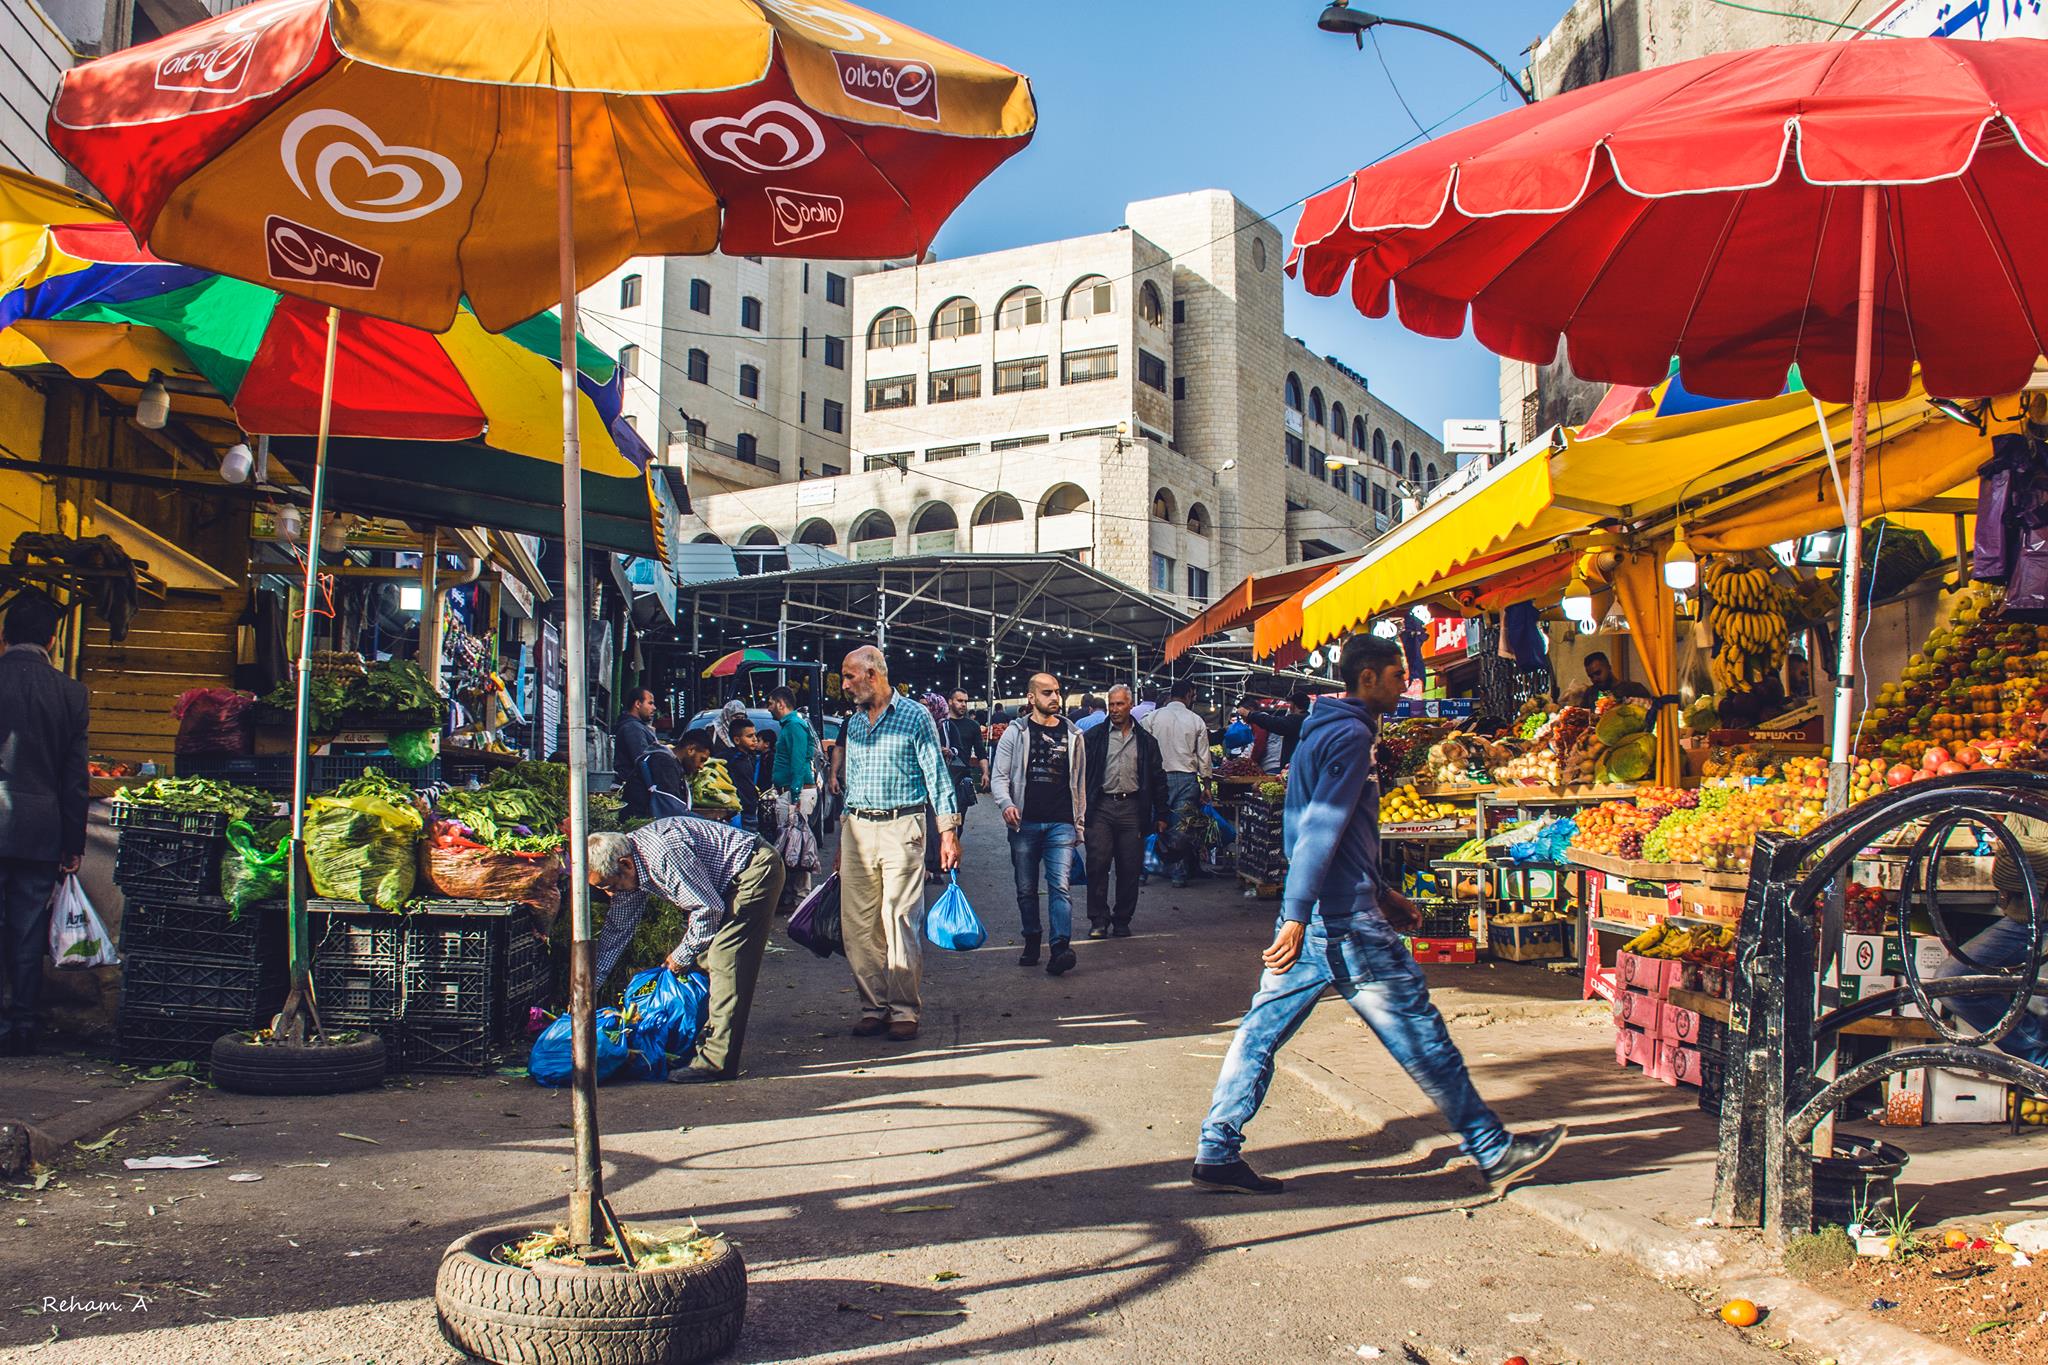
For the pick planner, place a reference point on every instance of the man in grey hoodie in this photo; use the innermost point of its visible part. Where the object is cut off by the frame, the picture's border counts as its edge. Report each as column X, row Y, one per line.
column 1340, row 928
column 1040, row 783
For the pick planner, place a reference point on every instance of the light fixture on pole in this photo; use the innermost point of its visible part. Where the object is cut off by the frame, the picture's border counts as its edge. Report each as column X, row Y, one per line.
column 1341, row 18
column 1681, row 570
column 153, row 408
column 1578, row 601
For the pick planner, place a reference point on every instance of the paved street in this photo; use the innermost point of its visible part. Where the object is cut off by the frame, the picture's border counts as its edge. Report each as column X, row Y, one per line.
column 1012, row 1186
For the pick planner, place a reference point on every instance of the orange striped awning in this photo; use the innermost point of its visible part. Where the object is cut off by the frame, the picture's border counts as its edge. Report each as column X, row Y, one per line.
column 1249, row 599
column 1276, row 635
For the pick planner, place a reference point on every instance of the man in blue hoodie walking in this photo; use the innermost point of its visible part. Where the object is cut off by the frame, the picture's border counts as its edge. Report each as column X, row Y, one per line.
column 1339, row 927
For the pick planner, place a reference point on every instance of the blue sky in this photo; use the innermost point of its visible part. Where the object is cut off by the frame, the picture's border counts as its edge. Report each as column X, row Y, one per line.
column 1143, row 99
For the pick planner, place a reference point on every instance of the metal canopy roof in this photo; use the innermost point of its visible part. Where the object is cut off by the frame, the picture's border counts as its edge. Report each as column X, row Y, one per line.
column 1035, row 610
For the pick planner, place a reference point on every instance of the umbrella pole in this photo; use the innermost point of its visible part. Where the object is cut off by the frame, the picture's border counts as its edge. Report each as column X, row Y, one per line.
column 299, row 1003
column 588, row 1190
column 1852, row 545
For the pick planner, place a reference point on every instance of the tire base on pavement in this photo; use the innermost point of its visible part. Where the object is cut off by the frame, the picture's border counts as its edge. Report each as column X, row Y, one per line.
column 251, row 1068
column 515, row 1316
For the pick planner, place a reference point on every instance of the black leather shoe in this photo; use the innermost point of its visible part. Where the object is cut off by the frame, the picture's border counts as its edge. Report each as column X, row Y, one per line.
column 1062, row 960
column 698, row 1075
column 1098, row 932
column 1029, row 957
column 1236, row 1177
column 1521, row 1159
column 1119, row 931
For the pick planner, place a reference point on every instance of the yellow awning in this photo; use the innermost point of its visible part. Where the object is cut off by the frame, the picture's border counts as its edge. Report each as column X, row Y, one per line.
column 1738, row 477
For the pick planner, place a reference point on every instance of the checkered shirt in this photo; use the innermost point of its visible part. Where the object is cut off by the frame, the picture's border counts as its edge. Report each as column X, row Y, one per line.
column 897, row 761
column 690, row 862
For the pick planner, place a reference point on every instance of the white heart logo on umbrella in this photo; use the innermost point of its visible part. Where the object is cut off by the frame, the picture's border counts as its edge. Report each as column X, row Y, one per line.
column 423, row 181
column 824, row 20
column 776, row 136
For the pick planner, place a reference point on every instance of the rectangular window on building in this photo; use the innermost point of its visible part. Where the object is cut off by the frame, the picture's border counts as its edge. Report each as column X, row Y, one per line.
column 629, row 359
column 750, row 313
column 803, row 407
column 1359, row 487
column 700, row 296
column 1180, row 310
column 835, row 352
column 749, row 447
column 937, row 453
column 1297, row 452
column 831, row 471
column 1151, row 370
column 1180, row 387
column 899, row 459
column 950, row 386
column 1163, row 567
column 629, row 292
column 1318, row 462
column 1198, row 583
column 835, row 287
column 1379, row 498
column 835, row 415
column 695, row 428
column 700, row 367
column 1085, row 367
column 899, row 392
column 750, row 381
column 1015, row 376
column 1019, row 442
column 1081, row 433
column 807, row 277
column 803, row 343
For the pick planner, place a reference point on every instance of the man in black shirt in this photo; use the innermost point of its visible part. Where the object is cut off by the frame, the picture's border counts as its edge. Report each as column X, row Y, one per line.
column 1040, row 781
column 966, row 751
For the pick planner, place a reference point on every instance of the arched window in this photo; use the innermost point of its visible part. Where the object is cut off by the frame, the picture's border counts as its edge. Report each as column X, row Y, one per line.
column 1163, row 505
column 1198, row 519
column 956, row 318
column 707, row 539
column 1021, row 307
column 1429, row 476
column 934, row 516
column 1091, row 296
column 1400, row 460
column 760, row 535
column 1293, row 393
column 748, row 445
column 894, row 327
column 1379, row 448
column 997, row 508
column 1151, row 306
column 816, row 531
column 1063, row 499
column 1415, row 469
column 874, row 525
column 1358, row 432
column 1339, row 427
column 1316, row 412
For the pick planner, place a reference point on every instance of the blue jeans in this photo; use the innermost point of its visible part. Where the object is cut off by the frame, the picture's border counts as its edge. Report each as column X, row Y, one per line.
column 1184, row 796
column 2004, row 944
column 1364, row 959
column 1050, row 846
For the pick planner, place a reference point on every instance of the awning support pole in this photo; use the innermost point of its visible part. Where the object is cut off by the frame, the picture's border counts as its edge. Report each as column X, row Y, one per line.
column 1852, row 545
column 588, row 1188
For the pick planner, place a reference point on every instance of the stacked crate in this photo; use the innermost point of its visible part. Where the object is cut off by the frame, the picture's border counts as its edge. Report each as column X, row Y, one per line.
column 192, row 969
column 358, row 965
column 1260, row 860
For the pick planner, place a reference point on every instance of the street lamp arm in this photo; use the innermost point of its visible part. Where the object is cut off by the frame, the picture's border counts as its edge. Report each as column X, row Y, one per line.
column 1341, row 18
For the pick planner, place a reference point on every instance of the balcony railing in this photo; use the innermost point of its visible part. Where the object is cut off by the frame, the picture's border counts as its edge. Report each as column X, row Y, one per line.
column 730, row 451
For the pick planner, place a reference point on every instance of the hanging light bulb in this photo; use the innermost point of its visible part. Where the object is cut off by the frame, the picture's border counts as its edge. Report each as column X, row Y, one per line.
column 1315, row 660
column 334, row 536
column 1681, row 570
column 153, row 409
column 1578, row 600
column 236, row 462
column 291, row 524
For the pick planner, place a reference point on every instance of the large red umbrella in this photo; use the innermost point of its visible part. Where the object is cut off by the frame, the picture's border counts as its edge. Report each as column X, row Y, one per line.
column 1851, row 208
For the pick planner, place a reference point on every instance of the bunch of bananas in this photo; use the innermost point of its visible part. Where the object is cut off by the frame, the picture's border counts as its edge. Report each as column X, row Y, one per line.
column 1748, row 620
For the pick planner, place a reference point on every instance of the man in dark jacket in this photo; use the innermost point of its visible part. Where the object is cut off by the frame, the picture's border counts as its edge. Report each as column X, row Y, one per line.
column 1340, row 927
column 632, row 737
column 1127, row 800
column 1284, row 721
column 43, row 788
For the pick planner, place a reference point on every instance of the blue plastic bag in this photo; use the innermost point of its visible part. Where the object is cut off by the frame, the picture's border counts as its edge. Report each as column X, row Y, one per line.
column 1226, row 833
column 1153, row 867
column 667, row 1011
column 550, row 1062
column 951, row 922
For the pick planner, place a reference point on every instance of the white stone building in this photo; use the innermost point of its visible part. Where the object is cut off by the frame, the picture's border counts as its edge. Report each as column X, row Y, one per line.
column 741, row 366
column 1131, row 396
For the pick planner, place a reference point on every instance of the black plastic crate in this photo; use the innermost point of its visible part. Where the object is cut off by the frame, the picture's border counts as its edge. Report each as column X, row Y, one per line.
column 264, row 772
column 349, row 931
column 187, row 985
column 462, row 933
column 331, row 770
column 167, row 864
column 156, row 1040
column 443, row 1046
column 471, row 992
column 127, row 815
column 206, row 925
column 389, row 720
column 1443, row 919
column 1713, row 1077
column 355, row 992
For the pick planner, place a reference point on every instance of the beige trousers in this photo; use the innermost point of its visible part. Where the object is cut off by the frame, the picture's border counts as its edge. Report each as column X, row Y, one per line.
column 881, row 912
